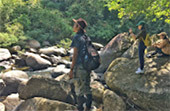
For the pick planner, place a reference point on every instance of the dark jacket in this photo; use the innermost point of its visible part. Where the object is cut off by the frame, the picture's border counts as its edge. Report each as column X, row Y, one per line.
column 142, row 34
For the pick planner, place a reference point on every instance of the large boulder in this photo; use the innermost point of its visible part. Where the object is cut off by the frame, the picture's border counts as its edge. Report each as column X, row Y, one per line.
column 33, row 44
column 151, row 90
column 39, row 86
column 12, row 80
column 42, row 104
column 11, row 102
column 115, row 48
column 36, row 62
column 4, row 54
column 112, row 102
column 97, row 91
column 53, row 51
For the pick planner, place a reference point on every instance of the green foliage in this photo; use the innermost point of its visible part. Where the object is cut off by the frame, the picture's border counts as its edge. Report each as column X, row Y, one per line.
column 7, row 39
column 14, row 34
column 51, row 20
column 96, row 15
column 48, row 26
column 37, row 23
column 155, row 9
column 65, row 43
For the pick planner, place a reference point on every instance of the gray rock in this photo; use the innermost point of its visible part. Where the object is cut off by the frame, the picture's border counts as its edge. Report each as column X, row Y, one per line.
column 33, row 44
column 58, row 60
column 11, row 102
column 59, row 70
column 12, row 80
column 112, row 102
column 20, row 61
column 151, row 90
column 5, row 65
column 115, row 48
column 36, row 62
column 4, row 54
column 45, row 72
column 132, row 52
column 97, row 91
column 53, row 51
column 39, row 86
column 15, row 49
column 42, row 104
column 46, row 57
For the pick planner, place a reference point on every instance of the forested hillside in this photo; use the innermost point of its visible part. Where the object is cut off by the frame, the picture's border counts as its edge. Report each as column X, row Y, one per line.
column 51, row 20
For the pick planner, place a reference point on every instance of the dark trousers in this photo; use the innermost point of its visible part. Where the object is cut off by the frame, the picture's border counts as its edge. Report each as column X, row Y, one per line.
column 141, row 49
column 158, row 50
column 81, row 82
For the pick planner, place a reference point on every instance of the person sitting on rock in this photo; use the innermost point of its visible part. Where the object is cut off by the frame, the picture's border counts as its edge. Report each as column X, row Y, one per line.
column 162, row 47
column 141, row 48
column 80, row 76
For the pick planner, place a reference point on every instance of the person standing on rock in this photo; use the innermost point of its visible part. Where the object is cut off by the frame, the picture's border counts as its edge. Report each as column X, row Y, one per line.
column 80, row 76
column 141, row 48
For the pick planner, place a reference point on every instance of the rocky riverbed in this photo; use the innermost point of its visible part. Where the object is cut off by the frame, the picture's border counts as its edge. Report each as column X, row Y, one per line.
column 37, row 79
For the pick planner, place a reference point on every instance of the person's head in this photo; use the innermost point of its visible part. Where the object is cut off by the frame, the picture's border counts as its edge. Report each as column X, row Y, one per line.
column 162, row 35
column 141, row 25
column 79, row 25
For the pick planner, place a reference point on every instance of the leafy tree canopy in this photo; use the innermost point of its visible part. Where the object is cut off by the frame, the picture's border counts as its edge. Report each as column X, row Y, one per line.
column 155, row 9
column 51, row 20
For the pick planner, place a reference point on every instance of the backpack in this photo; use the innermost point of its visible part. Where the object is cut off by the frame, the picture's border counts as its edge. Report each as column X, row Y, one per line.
column 91, row 58
column 147, row 41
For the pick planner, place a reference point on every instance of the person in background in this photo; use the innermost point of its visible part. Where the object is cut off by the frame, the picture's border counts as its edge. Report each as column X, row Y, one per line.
column 141, row 48
column 80, row 76
column 162, row 47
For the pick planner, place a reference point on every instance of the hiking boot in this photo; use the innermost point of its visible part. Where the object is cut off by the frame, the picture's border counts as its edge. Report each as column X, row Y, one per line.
column 88, row 101
column 80, row 102
column 139, row 71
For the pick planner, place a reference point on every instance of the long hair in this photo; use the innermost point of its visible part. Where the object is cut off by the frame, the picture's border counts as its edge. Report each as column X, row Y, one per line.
column 165, row 37
column 143, row 26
